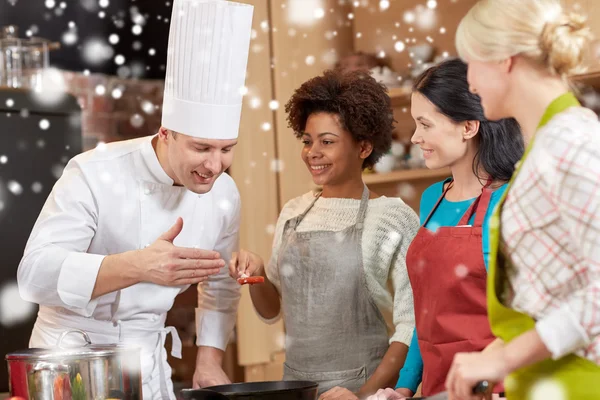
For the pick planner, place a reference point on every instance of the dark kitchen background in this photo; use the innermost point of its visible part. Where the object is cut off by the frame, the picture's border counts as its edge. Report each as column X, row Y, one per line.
column 92, row 33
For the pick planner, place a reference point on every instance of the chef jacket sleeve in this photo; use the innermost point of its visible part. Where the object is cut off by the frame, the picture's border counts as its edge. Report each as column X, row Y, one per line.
column 575, row 188
column 219, row 296
column 55, row 269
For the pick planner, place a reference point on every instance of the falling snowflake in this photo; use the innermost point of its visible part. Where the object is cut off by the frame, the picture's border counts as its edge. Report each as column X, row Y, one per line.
column 266, row 126
column 286, row 270
column 14, row 187
column 100, row 90
column 113, row 38
column 1, row 205
column 24, row 113
column 310, row 60
column 330, row 58
column 136, row 120
column 280, row 340
column 303, row 12
column 10, row 102
column 271, row 229
column 319, row 13
column 44, row 124
column 277, row 165
column 409, row 17
column 461, row 271
column 52, row 88
column 119, row 59
column 40, row 143
column 148, row 107
column 406, row 191
column 136, row 30
column 399, row 46
column 50, row 3
column 103, row 3
column 255, row 102
column 96, row 51
column 117, row 93
column 426, row 18
column 13, row 309
column 57, row 170
column 3, row 159
column 101, row 146
column 384, row 5
column 69, row 38
column 273, row 104
column 36, row 187
column 548, row 389
column 225, row 205
column 431, row 4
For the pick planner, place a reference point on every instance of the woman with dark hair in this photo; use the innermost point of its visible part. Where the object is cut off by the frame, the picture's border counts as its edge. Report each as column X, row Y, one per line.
column 337, row 273
column 447, row 261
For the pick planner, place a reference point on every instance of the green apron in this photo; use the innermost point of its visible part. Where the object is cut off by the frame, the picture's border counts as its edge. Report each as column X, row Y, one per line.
column 578, row 377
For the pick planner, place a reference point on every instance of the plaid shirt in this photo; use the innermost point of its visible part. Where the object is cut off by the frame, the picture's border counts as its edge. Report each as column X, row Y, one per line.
column 551, row 230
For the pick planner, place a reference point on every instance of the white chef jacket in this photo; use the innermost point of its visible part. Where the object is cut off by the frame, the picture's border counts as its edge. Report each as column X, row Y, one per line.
column 113, row 199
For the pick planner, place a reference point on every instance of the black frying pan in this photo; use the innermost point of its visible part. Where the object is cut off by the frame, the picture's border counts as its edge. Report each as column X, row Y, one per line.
column 276, row 390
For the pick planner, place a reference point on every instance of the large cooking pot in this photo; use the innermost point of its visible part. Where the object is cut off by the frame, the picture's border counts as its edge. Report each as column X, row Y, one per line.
column 91, row 372
column 276, row 390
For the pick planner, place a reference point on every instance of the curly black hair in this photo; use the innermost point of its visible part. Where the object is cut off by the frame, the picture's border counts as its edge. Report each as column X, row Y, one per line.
column 360, row 102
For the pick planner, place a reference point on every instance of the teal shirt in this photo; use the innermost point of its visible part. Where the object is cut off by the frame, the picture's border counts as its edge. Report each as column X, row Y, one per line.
column 448, row 213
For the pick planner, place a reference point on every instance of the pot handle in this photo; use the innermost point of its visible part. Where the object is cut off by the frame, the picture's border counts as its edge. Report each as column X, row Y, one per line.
column 65, row 333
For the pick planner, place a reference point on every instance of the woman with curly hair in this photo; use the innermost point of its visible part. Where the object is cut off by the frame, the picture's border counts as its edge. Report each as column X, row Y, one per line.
column 337, row 273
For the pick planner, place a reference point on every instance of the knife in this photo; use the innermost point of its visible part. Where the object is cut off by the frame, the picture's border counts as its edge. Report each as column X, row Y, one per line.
column 481, row 387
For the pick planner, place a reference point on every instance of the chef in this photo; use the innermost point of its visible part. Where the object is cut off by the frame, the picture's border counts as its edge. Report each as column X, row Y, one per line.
column 132, row 224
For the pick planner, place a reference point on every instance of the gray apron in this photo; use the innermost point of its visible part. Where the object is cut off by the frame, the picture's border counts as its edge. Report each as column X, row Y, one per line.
column 335, row 334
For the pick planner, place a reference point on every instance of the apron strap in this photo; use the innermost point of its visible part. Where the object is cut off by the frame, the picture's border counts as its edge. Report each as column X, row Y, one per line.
column 362, row 210
column 448, row 180
column 479, row 206
column 300, row 217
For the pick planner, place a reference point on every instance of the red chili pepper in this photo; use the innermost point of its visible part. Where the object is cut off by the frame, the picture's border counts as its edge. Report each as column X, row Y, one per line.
column 251, row 280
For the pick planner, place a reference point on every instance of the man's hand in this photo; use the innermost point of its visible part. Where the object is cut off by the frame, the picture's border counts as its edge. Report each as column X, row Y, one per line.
column 338, row 393
column 168, row 265
column 209, row 369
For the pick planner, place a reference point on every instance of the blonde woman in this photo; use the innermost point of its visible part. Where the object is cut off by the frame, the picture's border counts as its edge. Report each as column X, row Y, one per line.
column 544, row 277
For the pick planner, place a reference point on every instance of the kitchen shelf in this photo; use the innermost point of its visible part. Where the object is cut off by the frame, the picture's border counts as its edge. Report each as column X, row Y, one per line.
column 400, row 96
column 591, row 79
column 405, row 175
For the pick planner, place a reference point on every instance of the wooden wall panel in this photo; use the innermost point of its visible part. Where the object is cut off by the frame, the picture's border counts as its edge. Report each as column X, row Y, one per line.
column 257, row 183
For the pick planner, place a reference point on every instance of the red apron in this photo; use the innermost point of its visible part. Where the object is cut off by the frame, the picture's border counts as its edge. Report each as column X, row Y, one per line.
column 448, row 276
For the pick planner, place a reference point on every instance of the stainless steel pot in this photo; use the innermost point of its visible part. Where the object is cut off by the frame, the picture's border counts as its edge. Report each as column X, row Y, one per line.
column 97, row 372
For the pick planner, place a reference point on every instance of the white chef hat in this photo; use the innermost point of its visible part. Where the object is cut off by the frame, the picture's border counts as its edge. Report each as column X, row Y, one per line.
column 206, row 67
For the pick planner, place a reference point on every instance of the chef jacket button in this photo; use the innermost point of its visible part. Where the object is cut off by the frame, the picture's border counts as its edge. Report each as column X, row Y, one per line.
column 146, row 191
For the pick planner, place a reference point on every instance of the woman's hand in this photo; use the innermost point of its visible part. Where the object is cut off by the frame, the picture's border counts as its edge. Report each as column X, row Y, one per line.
column 246, row 263
column 470, row 368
